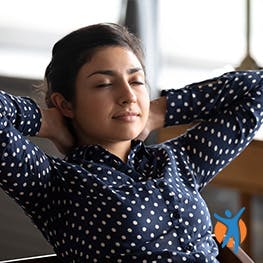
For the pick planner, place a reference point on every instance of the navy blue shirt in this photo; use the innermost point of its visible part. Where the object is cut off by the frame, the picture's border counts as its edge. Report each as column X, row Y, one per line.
column 93, row 207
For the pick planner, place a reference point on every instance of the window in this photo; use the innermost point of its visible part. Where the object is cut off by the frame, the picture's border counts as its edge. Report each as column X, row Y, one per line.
column 29, row 29
column 200, row 39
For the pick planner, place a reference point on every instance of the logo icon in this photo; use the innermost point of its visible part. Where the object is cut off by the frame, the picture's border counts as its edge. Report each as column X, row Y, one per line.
column 230, row 230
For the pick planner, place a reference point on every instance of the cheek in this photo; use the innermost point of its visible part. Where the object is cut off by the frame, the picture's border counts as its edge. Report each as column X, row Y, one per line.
column 93, row 113
column 84, row 112
column 90, row 104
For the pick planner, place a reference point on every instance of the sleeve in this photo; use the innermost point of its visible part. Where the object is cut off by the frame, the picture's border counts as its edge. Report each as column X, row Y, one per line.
column 24, row 168
column 229, row 110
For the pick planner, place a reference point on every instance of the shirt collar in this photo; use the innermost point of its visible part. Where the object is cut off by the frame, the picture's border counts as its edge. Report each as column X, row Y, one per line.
column 96, row 152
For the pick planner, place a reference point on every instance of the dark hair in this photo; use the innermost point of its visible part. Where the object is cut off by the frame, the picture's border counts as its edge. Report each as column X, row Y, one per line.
column 77, row 48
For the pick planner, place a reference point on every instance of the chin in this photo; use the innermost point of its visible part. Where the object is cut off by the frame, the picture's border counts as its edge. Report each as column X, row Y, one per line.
column 128, row 137
column 125, row 134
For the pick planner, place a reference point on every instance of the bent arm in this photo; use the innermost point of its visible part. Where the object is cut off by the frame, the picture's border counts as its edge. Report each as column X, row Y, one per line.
column 230, row 111
column 24, row 168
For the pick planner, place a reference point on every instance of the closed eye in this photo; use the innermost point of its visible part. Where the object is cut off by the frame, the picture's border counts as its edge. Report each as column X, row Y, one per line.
column 137, row 83
column 104, row 85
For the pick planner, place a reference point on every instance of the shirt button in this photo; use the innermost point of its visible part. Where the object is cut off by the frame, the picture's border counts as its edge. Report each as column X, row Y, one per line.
column 175, row 214
column 189, row 248
column 162, row 184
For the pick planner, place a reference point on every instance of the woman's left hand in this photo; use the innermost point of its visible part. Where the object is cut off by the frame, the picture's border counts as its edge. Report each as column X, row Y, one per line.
column 156, row 117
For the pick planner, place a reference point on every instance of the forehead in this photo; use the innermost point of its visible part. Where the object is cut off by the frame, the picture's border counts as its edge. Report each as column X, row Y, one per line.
column 113, row 56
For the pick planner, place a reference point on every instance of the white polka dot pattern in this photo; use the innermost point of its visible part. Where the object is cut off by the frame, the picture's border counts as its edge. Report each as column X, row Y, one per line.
column 92, row 207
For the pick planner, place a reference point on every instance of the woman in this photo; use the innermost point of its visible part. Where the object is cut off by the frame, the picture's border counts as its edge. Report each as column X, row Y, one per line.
column 113, row 199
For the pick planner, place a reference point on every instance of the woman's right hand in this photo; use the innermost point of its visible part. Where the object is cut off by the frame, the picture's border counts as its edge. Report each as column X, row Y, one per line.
column 54, row 127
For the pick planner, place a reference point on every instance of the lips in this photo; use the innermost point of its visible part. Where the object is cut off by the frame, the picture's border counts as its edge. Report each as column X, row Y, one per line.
column 126, row 116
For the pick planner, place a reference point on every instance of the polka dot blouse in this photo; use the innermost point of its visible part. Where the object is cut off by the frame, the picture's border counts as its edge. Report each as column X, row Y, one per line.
column 92, row 207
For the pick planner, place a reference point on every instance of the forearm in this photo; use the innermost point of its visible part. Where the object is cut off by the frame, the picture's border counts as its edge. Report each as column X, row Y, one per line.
column 207, row 99
column 20, row 112
column 20, row 163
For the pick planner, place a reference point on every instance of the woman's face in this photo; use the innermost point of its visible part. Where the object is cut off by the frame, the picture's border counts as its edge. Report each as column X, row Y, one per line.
column 111, row 103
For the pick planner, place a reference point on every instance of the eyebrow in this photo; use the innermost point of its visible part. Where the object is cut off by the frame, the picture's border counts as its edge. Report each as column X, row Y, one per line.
column 112, row 73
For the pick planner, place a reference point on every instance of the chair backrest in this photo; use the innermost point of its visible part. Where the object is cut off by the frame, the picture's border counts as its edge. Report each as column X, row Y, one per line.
column 225, row 255
column 52, row 258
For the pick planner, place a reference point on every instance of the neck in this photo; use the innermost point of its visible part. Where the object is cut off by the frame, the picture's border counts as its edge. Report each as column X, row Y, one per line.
column 120, row 149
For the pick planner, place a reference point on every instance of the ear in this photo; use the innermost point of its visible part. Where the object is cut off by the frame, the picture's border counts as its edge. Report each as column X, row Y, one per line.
column 62, row 104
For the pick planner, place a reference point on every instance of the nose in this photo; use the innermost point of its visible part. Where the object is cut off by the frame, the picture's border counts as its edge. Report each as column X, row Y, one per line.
column 126, row 94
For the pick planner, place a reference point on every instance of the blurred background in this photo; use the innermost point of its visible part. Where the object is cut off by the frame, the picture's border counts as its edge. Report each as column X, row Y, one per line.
column 184, row 42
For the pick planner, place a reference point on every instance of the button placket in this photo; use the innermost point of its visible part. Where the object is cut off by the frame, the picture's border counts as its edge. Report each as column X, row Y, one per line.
column 169, row 198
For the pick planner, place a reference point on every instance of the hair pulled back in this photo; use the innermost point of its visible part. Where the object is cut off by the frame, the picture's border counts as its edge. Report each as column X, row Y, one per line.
column 77, row 48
